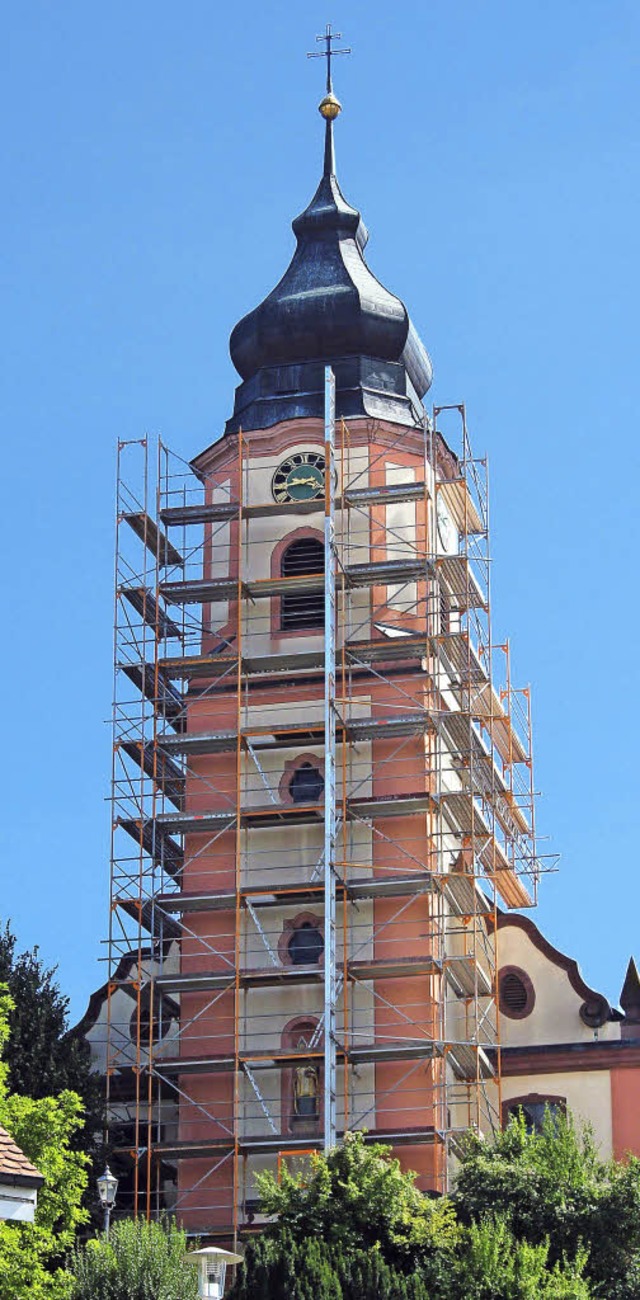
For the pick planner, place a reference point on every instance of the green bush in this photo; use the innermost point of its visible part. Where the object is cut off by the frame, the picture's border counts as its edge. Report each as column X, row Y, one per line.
column 312, row 1269
column 139, row 1261
column 493, row 1265
column 553, row 1189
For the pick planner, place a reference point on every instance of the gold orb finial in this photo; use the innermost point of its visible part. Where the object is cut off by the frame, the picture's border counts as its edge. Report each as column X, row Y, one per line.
column 329, row 107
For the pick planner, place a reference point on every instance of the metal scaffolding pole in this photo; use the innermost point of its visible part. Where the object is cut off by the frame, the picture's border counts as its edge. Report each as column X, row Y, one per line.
column 330, row 1067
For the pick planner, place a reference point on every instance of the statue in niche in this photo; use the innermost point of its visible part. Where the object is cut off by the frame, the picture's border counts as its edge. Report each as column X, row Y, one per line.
column 306, row 1087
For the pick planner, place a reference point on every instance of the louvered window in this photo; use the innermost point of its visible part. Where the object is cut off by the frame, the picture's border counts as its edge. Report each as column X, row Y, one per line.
column 445, row 610
column 302, row 609
column 516, row 993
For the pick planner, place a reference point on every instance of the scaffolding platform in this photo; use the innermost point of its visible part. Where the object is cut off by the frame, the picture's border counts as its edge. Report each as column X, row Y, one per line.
column 352, row 730
column 194, row 1150
column 469, row 1061
column 149, row 838
column 208, row 590
column 365, row 1054
column 147, row 913
column 155, row 687
column 185, row 516
column 168, row 777
column 154, row 539
column 383, row 494
column 148, row 607
column 462, row 583
column 462, row 970
column 295, row 814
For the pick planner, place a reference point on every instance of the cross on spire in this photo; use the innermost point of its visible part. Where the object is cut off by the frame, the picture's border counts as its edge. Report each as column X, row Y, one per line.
column 328, row 36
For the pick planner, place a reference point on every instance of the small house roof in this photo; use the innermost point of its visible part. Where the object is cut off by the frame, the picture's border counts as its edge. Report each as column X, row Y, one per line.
column 14, row 1166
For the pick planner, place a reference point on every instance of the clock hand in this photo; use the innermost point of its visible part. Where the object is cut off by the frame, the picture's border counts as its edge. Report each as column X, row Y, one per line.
column 303, row 482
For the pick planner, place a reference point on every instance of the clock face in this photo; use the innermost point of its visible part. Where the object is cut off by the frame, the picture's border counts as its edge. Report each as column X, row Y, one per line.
column 446, row 529
column 299, row 478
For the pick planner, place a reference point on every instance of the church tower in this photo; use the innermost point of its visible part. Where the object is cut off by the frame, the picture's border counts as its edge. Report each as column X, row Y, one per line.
column 322, row 790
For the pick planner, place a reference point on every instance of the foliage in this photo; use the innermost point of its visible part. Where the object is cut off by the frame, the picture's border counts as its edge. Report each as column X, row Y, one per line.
column 32, row 1255
column 311, row 1269
column 139, row 1261
column 489, row 1264
column 356, row 1227
column 44, row 1057
column 553, row 1187
column 492, row 1264
column 358, row 1197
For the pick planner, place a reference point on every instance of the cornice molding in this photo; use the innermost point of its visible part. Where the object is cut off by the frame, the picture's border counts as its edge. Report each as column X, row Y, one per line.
column 569, row 1058
column 403, row 439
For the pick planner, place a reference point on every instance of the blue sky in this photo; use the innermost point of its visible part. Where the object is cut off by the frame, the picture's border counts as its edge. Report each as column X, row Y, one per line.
column 153, row 159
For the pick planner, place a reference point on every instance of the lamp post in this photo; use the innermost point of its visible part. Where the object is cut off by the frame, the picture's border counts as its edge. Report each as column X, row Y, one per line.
column 212, row 1263
column 107, row 1190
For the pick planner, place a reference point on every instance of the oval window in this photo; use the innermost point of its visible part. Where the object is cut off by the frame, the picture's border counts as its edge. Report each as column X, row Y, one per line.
column 515, row 993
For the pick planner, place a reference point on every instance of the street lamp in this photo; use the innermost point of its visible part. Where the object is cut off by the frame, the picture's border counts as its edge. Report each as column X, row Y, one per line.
column 107, row 1190
column 212, row 1266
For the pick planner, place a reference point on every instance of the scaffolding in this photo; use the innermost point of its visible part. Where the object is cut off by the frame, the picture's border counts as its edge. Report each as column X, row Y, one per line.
column 322, row 791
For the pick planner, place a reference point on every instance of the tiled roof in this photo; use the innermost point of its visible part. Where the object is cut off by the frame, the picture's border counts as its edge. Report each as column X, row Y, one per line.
column 14, row 1166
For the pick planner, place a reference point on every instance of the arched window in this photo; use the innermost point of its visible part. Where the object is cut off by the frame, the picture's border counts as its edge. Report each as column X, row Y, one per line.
column 534, row 1108
column 301, row 1081
column 302, row 609
column 306, row 945
column 306, row 784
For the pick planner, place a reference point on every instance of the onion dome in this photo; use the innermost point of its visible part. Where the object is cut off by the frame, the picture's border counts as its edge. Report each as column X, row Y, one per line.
column 328, row 308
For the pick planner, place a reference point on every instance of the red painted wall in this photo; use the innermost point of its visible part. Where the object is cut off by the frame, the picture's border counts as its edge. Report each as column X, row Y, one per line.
column 625, row 1099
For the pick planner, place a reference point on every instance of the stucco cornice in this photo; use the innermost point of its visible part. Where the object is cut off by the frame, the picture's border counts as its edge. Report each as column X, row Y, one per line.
column 280, row 437
column 568, row 1058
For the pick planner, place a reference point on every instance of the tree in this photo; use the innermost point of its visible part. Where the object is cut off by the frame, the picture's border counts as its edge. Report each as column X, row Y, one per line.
column 352, row 1227
column 32, row 1255
column 553, row 1188
column 356, row 1227
column 43, row 1056
column 138, row 1261
column 358, row 1197
column 532, row 1215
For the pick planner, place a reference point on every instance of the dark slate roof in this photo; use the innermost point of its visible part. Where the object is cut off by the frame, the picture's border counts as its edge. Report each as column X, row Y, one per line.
column 630, row 1002
column 14, row 1166
column 630, row 996
column 328, row 308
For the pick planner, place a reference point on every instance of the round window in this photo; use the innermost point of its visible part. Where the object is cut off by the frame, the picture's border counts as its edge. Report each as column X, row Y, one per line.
column 515, row 993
